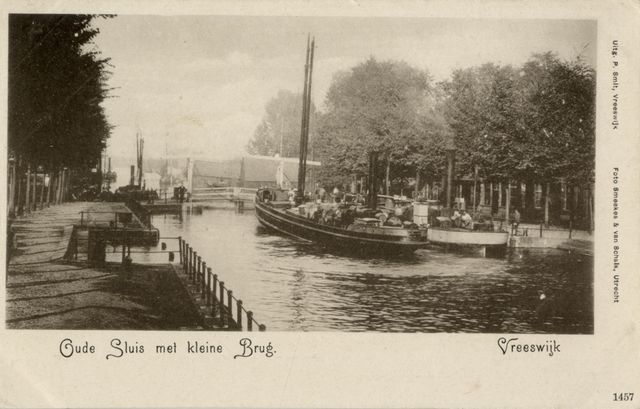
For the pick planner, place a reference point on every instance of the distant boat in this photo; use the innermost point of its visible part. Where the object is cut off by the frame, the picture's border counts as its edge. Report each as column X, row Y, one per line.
column 475, row 241
column 452, row 235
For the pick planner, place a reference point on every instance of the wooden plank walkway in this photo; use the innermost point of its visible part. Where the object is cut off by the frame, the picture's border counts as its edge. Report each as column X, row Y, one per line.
column 46, row 292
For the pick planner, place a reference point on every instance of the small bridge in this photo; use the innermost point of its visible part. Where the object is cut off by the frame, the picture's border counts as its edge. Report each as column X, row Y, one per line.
column 223, row 197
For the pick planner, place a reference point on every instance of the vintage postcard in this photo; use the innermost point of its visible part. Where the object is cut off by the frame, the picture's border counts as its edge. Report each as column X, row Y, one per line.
column 287, row 204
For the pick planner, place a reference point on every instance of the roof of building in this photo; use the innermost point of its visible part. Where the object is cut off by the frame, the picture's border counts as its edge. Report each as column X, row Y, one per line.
column 265, row 168
column 218, row 169
column 256, row 168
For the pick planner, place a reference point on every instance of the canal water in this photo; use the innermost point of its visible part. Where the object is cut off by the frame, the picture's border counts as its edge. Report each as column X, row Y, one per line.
column 294, row 286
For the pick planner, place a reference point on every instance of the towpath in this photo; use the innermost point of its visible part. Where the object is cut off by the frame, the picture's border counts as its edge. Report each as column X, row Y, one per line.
column 46, row 292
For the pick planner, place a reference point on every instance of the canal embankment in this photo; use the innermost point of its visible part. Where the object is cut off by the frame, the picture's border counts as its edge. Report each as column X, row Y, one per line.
column 528, row 235
column 45, row 290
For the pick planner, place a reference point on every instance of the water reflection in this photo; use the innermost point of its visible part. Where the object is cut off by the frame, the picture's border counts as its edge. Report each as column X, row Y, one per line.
column 293, row 285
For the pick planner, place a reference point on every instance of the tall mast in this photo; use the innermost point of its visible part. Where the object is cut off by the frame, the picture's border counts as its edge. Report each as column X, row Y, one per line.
column 301, row 175
column 306, row 110
column 308, row 102
column 139, row 151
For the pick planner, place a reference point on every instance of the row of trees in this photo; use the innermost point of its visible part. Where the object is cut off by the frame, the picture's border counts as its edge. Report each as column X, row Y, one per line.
column 531, row 123
column 57, row 82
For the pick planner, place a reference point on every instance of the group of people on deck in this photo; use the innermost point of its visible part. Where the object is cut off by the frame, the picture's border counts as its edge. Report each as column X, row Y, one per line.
column 461, row 218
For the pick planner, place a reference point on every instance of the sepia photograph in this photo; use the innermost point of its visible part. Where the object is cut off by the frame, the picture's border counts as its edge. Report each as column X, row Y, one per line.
column 271, row 173
column 293, row 204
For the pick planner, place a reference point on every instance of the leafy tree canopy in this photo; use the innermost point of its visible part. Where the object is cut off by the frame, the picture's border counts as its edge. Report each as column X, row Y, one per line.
column 57, row 82
column 386, row 107
column 280, row 127
column 530, row 123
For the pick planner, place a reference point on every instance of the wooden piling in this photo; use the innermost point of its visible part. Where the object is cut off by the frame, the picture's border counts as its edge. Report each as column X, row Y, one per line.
column 194, row 269
column 249, row 321
column 239, row 314
column 209, row 273
column 221, row 301
column 230, row 306
column 203, row 281
column 214, row 297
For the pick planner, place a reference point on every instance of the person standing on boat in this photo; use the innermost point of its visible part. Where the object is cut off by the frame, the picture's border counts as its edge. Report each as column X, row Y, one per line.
column 516, row 220
column 181, row 192
column 320, row 195
column 466, row 221
column 455, row 218
column 337, row 195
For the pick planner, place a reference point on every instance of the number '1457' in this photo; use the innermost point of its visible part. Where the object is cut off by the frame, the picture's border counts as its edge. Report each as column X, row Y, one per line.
column 623, row 396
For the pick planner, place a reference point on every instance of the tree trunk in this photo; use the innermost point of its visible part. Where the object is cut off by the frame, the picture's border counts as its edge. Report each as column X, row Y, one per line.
column 28, row 190
column 34, row 203
column 590, row 209
column 491, row 196
column 529, row 199
column 372, row 200
column 450, row 171
column 56, row 192
column 508, row 202
column 59, row 187
column 65, row 186
column 18, row 202
column 547, row 189
column 475, row 187
column 417, row 188
column 42, row 192
column 387, row 182
column 12, row 189
column 49, row 186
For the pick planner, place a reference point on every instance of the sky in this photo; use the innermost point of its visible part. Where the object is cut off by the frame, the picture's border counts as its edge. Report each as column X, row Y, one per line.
column 197, row 85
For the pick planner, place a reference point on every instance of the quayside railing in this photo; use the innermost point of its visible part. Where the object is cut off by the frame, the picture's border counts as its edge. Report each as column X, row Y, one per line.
column 531, row 230
column 218, row 299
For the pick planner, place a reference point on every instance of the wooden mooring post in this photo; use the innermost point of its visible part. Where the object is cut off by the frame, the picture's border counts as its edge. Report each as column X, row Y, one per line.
column 229, row 307
column 214, row 301
column 221, row 301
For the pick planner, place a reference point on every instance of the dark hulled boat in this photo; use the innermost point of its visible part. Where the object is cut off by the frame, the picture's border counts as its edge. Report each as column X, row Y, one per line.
column 275, row 212
column 360, row 236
